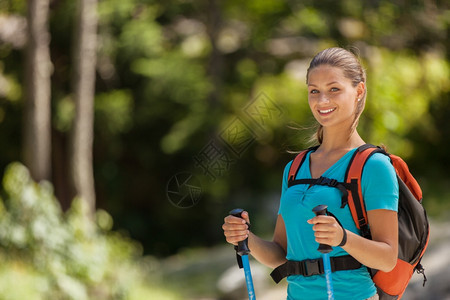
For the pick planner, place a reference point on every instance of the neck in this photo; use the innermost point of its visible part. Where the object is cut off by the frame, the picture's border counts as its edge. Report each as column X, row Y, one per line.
column 340, row 140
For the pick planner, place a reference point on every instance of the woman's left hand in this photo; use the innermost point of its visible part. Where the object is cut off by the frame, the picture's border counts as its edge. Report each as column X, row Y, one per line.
column 327, row 230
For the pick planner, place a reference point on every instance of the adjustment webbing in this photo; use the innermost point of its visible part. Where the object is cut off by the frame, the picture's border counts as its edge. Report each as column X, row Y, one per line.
column 312, row 267
column 325, row 181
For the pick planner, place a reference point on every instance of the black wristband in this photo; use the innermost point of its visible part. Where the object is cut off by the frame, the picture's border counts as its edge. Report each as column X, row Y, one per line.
column 344, row 238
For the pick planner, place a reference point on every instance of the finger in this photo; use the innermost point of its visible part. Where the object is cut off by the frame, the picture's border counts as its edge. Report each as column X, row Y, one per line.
column 330, row 235
column 233, row 220
column 245, row 216
column 234, row 226
column 325, row 227
column 323, row 234
column 240, row 235
column 322, row 219
column 325, row 241
column 231, row 232
column 234, row 239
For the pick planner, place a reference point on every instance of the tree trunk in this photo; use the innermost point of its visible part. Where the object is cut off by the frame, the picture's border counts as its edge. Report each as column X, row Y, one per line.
column 216, row 59
column 82, row 137
column 37, row 120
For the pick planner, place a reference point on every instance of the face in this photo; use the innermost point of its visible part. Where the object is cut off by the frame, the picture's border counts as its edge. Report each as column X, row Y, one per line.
column 332, row 97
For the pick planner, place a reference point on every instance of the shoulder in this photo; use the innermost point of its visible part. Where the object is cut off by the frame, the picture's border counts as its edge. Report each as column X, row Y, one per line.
column 378, row 166
column 379, row 183
column 379, row 169
column 379, row 161
column 381, row 164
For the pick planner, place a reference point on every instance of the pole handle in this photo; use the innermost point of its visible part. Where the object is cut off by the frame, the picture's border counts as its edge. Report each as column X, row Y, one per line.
column 321, row 210
column 242, row 248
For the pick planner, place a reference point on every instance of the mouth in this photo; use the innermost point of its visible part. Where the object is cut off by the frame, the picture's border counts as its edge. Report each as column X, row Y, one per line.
column 326, row 111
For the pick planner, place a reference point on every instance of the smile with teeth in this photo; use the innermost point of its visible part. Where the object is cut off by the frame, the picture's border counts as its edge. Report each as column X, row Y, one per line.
column 326, row 111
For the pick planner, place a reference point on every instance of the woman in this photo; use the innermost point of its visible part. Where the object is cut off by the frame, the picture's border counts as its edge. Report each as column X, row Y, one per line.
column 336, row 95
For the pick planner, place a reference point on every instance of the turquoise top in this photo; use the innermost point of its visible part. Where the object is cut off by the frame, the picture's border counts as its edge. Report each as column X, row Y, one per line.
column 380, row 191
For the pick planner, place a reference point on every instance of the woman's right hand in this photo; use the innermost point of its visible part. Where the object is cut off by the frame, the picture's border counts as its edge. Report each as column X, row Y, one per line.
column 236, row 229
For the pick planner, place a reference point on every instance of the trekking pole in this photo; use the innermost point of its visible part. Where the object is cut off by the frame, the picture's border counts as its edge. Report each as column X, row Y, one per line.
column 242, row 252
column 325, row 250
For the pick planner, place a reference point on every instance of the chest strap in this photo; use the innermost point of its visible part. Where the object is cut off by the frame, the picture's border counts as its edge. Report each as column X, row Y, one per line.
column 312, row 267
column 342, row 186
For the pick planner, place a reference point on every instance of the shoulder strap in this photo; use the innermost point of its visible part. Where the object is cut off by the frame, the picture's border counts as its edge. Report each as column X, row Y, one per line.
column 297, row 163
column 353, row 179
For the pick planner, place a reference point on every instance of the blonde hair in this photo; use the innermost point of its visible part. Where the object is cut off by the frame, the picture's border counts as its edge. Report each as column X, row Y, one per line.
column 352, row 69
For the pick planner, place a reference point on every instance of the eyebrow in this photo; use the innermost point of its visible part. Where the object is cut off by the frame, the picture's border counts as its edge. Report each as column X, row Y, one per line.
column 331, row 83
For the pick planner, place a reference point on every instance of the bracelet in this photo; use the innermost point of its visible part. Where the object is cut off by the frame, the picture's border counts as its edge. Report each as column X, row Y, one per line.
column 344, row 238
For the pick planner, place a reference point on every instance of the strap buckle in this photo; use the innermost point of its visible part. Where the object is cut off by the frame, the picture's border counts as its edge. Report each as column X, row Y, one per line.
column 305, row 268
column 295, row 268
column 327, row 181
column 313, row 267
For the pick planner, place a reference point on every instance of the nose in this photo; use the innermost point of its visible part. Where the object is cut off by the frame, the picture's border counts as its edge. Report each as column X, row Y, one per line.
column 323, row 98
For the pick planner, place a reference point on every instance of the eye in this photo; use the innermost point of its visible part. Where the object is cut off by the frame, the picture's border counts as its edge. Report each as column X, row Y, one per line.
column 314, row 91
column 334, row 89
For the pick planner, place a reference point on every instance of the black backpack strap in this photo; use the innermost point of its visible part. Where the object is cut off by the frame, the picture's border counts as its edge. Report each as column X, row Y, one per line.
column 312, row 267
column 325, row 181
column 295, row 167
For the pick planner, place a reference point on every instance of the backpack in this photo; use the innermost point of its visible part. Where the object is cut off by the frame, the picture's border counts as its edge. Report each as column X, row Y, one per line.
column 413, row 225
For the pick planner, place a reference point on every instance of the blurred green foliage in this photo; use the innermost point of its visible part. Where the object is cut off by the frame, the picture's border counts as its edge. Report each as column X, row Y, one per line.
column 56, row 255
column 173, row 75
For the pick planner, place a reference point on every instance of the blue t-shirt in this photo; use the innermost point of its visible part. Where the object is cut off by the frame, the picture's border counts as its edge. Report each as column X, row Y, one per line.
column 380, row 191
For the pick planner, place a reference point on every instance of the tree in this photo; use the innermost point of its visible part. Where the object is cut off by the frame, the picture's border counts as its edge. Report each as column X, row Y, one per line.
column 37, row 126
column 81, row 142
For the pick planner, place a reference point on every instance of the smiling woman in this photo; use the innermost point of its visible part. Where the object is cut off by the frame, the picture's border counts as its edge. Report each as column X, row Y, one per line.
column 336, row 96
column 335, row 69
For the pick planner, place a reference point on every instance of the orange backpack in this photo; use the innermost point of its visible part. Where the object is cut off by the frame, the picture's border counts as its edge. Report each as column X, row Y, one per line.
column 413, row 225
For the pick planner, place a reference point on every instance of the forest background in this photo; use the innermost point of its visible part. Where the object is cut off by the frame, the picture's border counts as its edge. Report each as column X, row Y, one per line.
column 145, row 122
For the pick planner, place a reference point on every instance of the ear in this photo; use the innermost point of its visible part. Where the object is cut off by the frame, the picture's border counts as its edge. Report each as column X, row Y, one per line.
column 360, row 89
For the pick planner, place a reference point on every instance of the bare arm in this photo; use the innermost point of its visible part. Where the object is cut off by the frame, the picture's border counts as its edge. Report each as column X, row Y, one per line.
column 270, row 253
column 379, row 253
